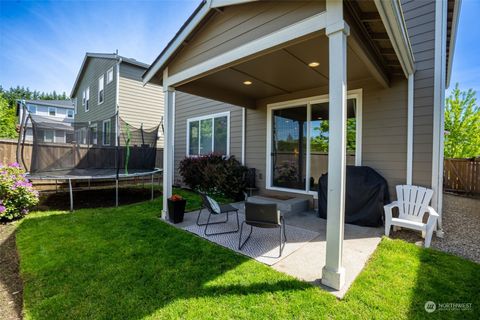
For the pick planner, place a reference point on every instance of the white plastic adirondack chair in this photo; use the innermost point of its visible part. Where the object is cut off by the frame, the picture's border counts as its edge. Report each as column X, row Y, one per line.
column 412, row 203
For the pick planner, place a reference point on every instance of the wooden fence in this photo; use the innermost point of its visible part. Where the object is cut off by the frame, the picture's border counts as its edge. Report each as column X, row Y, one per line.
column 462, row 176
column 8, row 154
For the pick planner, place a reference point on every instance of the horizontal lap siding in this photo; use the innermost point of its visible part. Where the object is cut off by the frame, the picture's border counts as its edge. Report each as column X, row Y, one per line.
column 140, row 104
column 188, row 106
column 420, row 20
column 95, row 68
column 240, row 24
column 384, row 141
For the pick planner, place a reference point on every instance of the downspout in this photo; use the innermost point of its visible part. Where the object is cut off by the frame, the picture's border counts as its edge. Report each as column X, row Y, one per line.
column 117, row 108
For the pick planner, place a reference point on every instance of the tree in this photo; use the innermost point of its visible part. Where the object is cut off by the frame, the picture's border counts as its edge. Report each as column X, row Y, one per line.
column 7, row 119
column 462, row 124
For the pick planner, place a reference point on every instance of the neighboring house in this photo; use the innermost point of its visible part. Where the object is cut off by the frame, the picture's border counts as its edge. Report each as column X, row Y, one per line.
column 279, row 79
column 107, row 84
column 55, row 117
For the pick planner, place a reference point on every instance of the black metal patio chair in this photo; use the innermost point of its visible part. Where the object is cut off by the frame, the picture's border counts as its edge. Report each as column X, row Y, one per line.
column 263, row 215
column 214, row 208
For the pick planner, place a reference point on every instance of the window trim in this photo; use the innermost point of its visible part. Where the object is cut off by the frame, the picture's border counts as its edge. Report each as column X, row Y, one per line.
column 32, row 106
column 94, row 125
column 108, row 72
column 86, row 101
column 308, row 101
column 103, row 132
column 205, row 117
column 101, row 80
column 55, row 111
column 53, row 138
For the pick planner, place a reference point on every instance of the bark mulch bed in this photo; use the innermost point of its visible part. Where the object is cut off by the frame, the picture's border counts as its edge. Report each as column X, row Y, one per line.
column 11, row 285
column 94, row 198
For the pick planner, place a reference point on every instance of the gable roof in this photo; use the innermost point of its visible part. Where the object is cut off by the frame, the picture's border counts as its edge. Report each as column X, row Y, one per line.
column 203, row 10
column 51, row 103
column 113, row 56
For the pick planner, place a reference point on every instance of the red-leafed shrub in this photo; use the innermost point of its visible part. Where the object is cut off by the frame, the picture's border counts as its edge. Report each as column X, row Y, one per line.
column 214, row 174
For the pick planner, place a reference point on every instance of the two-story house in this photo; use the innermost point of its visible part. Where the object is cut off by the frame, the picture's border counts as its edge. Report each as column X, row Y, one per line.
column 56, row 115
column 107, row 85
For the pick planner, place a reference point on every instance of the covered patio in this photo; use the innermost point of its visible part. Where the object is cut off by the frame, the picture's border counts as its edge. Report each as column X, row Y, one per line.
column 291, row 66
column 305, row 250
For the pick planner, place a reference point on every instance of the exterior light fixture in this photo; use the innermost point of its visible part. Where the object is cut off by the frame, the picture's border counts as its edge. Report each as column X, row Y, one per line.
column 314, row 64
column 247, row 82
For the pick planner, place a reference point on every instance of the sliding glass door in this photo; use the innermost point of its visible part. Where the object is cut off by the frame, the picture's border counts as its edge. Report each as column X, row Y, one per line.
column 299, row 142
column 289, row 147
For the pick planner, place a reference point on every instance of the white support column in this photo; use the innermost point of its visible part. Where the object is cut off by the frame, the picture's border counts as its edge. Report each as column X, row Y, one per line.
column 333, row 273
column 439, row 108
column 411, row 91
column 168, row 144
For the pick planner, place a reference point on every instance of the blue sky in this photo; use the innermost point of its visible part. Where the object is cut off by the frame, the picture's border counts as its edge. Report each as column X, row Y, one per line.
column 42, row 43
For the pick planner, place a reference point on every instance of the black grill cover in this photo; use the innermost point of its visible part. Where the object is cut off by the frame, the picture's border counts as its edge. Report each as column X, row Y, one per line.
column 366, row 194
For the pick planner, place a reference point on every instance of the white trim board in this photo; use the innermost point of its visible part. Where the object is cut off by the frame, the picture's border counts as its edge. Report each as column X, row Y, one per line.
column 438, row 107
column 205, row 117
column 352, row 94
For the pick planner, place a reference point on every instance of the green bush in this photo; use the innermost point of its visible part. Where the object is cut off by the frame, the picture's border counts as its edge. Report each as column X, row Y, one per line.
column 17, row 195
column 214, row 174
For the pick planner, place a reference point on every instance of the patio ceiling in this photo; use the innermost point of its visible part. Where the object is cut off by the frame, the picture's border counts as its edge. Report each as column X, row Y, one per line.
column 283, row 71
column 370, row 54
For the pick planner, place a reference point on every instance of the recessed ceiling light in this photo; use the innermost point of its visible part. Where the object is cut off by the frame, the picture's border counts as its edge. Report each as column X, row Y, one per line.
column 247, row 82
column 314, row 64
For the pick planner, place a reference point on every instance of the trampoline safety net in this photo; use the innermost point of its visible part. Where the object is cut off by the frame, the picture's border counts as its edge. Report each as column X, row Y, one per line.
column 89, row 148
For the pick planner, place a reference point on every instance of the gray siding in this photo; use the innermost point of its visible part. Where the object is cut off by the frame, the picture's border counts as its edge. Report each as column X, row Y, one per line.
column 93, row 70
column 139, row 104
column 240, row 24
column 420, row 20
column 384, row 141
column 189, row 106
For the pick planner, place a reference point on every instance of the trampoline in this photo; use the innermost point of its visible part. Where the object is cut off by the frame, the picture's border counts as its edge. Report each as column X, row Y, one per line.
column 68, row 150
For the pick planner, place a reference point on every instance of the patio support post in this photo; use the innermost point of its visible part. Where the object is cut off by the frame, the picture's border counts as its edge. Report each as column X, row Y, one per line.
column 333, row 273
column 168, row 145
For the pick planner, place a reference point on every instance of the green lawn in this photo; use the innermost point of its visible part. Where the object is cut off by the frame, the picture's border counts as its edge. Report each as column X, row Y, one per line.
column 124, row 263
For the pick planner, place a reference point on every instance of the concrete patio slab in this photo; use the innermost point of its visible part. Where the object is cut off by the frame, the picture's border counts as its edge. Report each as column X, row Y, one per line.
column 306, row 262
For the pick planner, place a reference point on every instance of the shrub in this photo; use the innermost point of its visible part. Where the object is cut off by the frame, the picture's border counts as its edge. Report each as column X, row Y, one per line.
column 214, row 174
column 17, row 195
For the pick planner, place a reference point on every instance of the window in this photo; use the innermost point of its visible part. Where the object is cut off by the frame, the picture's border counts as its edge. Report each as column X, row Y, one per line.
column 297, row 141
column 209, row 134
column 86, row 99
column 70, row 113
column 101, row 92
column 32, row 109
column 93, row 134
column 52, row 111
column 48, row 136
column 106, row 133
column 110, row 75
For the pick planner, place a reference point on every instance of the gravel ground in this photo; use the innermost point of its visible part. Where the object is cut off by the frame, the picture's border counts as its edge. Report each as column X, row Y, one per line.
column 461, row 226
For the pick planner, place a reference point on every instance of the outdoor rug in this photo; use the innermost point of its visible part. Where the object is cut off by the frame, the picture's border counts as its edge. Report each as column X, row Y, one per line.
column 263, row 243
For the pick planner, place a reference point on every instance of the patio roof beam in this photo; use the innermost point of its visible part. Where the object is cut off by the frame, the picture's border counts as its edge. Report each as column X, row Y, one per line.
column 296, row 32
column 363, row 45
